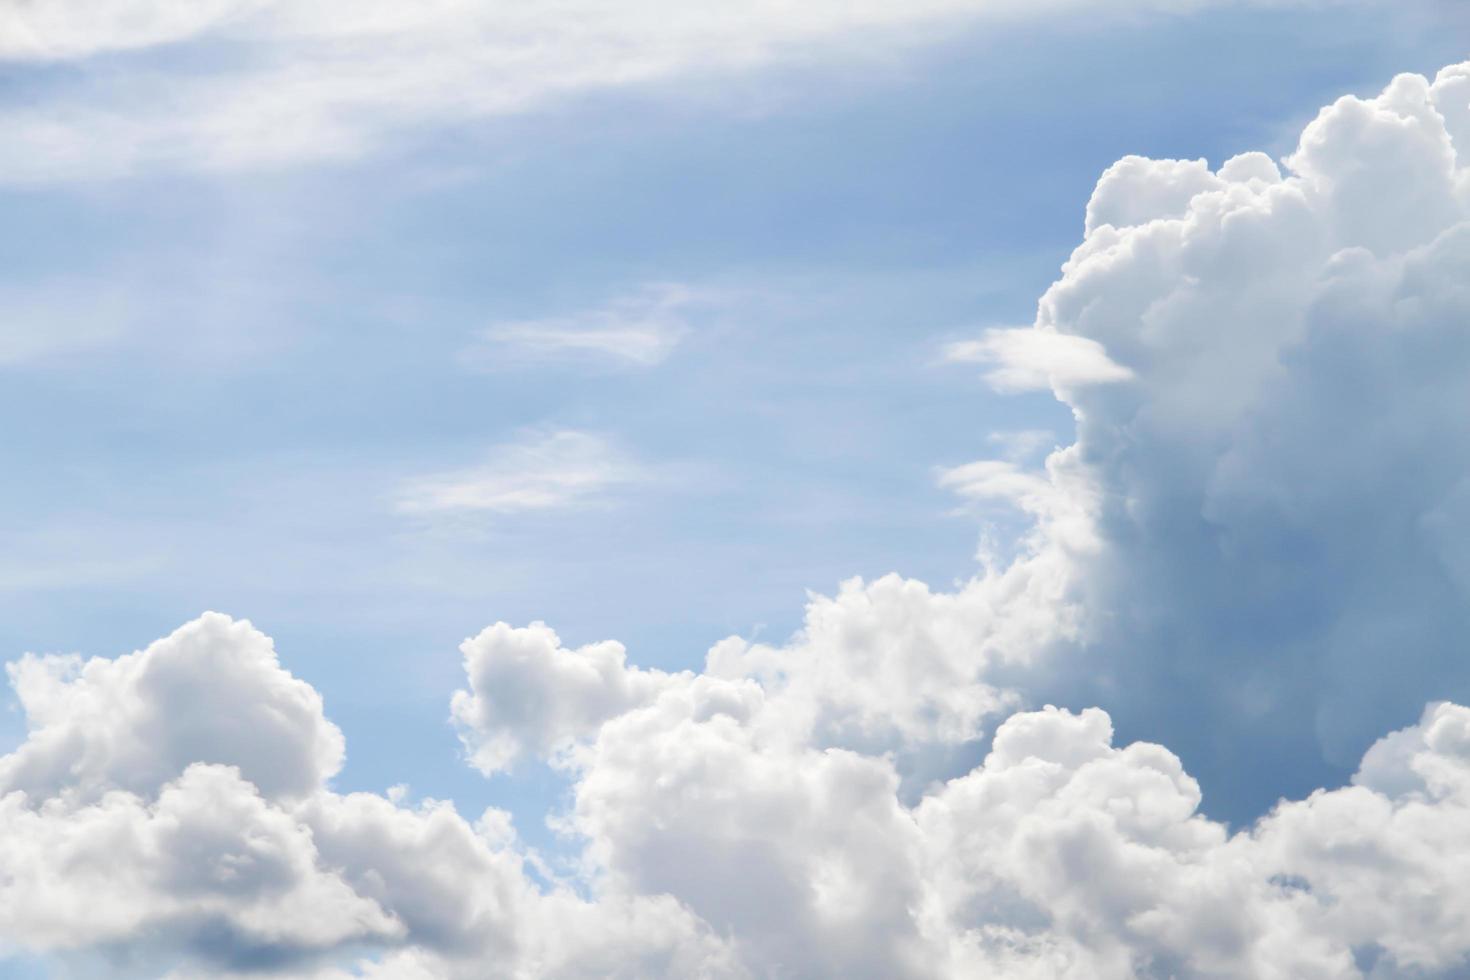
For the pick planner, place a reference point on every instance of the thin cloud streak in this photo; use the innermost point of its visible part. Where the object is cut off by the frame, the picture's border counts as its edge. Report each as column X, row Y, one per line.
column 561, row 469
column 640, row 330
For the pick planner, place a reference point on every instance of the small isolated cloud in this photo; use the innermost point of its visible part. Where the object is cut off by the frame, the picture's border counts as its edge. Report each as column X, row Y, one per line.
column 1028, row 359
column 640, row 330
column 564, row 468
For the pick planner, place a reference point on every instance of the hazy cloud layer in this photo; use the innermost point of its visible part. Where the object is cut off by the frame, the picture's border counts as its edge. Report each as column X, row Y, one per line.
column 1259, row 529
column 287, row 82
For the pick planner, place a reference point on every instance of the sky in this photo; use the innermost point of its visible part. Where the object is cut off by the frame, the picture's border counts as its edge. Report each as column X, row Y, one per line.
column 963, row 487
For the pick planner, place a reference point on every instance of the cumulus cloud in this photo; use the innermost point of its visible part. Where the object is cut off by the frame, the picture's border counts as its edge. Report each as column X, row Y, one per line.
column 1275, row 485
column 719, row 841
column 331, row 79
column 224, row 850
column 561, row 468
column 98, row 725
column 1253, row 546
column 528, row 692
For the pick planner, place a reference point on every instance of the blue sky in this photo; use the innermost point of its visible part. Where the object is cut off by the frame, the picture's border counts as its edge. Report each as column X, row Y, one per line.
column 285, row 348
column 251, row 386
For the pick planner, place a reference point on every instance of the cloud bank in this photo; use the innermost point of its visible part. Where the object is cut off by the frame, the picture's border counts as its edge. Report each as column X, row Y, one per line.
column 721, row 839
column 1255, row 544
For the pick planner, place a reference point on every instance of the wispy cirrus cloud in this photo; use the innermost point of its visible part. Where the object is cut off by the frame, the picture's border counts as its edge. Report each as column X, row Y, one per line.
column 551, row 470
column 280, row 83
column 638, row 330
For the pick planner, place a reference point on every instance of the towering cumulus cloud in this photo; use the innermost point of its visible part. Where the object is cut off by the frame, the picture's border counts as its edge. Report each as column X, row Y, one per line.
column 1282, row 487
column 1254, row 552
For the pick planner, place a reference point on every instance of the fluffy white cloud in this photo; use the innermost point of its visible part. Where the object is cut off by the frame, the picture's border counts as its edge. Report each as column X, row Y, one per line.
column 1276, row 483
column 223, row 849
column 718, row 842
column 311, row 81
column 1255, row 544
column 211, row 692
column 528, row 692
column 206, row 865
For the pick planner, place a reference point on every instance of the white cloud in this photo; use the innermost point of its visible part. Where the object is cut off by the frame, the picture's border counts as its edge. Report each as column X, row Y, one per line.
column 526, row 691
column 100, row 724
column 562, row 468
column 1276, row 484
column 722, row 841
column 1028, row 359
column 1003, row 481
column 204, row 854
column 323, row 80
column 639, row 330
column 169, row 809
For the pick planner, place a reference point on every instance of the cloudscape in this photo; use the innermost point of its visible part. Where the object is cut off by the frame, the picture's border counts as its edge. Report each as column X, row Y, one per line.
column 961, row 488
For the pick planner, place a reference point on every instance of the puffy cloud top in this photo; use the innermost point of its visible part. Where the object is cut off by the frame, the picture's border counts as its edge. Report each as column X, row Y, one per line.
column 1275, row 481
column 212, row 691
column 528, row 692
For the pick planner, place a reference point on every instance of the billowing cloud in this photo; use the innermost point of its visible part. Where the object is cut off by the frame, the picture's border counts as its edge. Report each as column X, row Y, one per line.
column 528, row 692
column 1276, row 484
column 1254, row 548
column 718, row 841
column 99, row 725
column 224, row 850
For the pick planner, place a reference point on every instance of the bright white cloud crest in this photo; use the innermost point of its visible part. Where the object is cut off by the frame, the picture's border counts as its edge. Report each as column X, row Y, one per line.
column 1290, row 431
